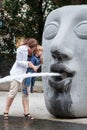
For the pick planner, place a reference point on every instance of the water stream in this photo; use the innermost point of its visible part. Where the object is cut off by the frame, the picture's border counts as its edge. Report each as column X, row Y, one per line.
column 10, row 78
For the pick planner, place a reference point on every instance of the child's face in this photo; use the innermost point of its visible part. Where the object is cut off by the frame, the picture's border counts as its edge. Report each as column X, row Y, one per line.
column 39, row 53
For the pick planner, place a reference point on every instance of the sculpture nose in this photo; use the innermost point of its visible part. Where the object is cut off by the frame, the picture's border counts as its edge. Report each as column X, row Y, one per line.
column 61, row 53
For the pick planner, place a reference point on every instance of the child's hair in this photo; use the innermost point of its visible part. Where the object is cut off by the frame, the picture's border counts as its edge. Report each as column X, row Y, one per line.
column 20, row 41
column 38, row 48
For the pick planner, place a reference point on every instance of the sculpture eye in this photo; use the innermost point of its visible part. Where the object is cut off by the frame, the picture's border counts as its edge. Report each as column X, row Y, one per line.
column 81, row 30
column 51, row 30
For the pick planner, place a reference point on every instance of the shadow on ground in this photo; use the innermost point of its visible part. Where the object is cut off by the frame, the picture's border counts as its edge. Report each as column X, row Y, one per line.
column 19, row 123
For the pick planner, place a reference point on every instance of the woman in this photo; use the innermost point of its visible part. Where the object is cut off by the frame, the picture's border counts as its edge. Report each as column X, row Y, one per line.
column 20, row 66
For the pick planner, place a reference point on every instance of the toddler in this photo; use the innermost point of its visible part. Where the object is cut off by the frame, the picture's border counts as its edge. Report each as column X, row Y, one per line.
column 37, row 60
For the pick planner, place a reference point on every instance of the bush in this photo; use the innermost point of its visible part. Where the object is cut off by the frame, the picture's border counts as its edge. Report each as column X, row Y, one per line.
column 6, row 62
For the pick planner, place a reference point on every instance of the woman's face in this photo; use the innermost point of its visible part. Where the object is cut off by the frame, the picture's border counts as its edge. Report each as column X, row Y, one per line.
column 31, row 50
column 65, row 52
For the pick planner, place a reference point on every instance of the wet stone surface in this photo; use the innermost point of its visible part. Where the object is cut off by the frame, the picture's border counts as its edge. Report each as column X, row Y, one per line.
column 19, row 123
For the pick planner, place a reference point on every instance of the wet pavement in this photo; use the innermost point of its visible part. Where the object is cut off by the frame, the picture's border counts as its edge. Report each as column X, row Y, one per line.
column 43, row 119
column 19, row 123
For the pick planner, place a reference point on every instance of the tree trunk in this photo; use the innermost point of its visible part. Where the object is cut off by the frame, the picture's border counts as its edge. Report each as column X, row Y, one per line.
column 40, row 21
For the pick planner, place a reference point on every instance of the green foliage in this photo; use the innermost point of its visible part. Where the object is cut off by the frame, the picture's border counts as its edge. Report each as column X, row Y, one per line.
column 63, row 2
column 23, row 18
column 70, row 2
column 26, row 17
column 6, row 62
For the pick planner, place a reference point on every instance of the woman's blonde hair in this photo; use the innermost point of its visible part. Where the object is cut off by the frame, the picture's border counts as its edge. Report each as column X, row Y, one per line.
column 20, row 41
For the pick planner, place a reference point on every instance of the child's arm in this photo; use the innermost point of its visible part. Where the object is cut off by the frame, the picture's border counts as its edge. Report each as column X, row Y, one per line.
column 35, row 68
column 41, row 59
column 39, row 62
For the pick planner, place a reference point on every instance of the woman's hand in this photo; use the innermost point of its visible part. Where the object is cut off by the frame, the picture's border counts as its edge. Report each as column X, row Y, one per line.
column 29, row 52
column 32, row 66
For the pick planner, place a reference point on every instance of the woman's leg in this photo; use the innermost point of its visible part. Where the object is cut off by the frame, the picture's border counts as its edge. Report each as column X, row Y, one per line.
column 8, row 104
column 25, row 99
column 25, row 102
column 12, row 93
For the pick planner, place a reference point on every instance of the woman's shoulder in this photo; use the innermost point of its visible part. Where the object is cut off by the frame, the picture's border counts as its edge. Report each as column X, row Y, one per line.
column 22, row 47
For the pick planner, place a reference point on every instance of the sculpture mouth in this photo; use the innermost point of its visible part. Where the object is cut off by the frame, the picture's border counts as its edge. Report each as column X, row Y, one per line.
column 65, row 77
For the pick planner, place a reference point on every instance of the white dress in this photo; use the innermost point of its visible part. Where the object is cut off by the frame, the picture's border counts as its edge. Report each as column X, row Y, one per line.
column 21, row 64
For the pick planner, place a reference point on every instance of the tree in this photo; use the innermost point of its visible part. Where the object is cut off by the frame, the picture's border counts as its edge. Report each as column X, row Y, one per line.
column 26, row 17
column 69, row 2
column 78, row 1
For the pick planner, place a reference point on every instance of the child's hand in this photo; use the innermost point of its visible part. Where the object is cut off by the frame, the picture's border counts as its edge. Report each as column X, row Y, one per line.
column 30, row 64
column 35, row 68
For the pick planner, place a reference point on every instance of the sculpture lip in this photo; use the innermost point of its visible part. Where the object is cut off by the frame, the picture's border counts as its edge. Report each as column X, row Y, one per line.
column 62, row 69
column 60, row 85
column 65, row 77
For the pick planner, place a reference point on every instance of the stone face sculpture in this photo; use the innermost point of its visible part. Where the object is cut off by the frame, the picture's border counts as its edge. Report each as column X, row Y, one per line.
column 65, row 52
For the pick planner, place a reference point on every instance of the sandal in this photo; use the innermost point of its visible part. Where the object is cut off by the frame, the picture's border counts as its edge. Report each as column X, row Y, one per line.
column 5, row 116
column 28, row 116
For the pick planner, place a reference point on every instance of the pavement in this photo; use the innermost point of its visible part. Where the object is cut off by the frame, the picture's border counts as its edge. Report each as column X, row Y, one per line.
column 36, row 105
